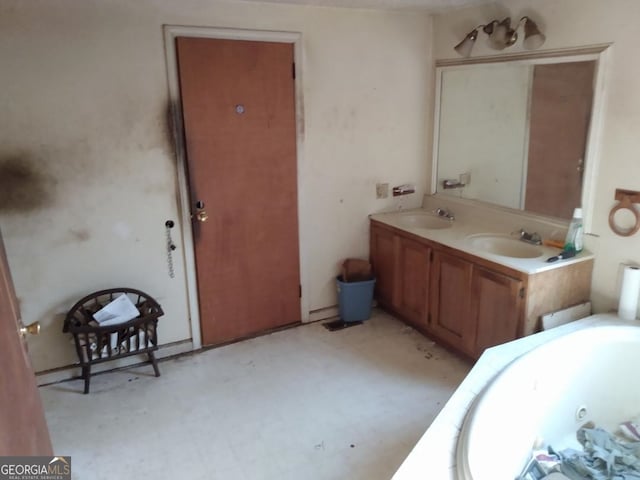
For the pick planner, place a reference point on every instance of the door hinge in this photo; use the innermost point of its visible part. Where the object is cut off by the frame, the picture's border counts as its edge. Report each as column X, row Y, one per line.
column 521, row 292
column 293, row 70
column 299, row 291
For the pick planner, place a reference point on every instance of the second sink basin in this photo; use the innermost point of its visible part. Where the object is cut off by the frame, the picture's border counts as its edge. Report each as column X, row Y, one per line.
column 504, row 245
column 423, row 220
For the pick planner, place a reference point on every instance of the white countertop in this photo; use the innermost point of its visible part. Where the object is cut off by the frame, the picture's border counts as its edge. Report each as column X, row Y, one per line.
column 433, row 457
column 456, row 237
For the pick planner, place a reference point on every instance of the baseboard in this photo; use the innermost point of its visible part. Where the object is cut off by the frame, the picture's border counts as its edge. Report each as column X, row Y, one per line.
column 73, row 371
column 323, row 314
column 176, row 348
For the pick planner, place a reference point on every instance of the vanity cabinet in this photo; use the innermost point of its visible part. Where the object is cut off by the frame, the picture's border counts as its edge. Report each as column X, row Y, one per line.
column 450, row 316
column 464, row 301
column 383, row 246
column 413, row 281
column 496, row 308
column 401, row 266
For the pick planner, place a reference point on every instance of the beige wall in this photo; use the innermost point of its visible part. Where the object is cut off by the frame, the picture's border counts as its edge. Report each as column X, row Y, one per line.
column 88, row 173
column 574, row 23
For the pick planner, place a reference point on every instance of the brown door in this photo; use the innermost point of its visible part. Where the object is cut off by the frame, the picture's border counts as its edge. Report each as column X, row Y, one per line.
column 23, row 429
column 238, row 104
column 561, row 100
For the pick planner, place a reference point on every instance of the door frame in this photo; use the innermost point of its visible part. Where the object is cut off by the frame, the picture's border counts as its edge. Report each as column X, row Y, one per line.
column 184, row 202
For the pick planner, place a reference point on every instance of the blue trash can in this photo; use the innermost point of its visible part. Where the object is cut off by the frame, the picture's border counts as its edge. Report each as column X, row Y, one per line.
column 355, row 299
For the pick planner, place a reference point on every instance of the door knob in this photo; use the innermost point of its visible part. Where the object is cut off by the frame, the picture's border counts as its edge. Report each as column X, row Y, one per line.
column 33, row 329
column 202, row 216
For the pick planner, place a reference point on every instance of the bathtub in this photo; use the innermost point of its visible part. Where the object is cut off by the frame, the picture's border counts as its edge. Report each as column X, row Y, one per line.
column 543, row 397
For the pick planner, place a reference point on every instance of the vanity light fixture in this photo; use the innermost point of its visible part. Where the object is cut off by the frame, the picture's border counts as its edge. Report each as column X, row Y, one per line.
column 501, row 35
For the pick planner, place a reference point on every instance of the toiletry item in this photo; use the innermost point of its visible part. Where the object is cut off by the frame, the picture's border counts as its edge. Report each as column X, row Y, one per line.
column 563, row 254
column 629, row 292
column 573, row 241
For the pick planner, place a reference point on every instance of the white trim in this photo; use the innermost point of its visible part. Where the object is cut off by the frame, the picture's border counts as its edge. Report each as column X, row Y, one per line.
column 598, row 53
column 592, row 154
column 73, row 371
column 436, row 132
column 524, row 61
column 170, row 34
column 323, row 314
column 541, row 56
column 526, row 141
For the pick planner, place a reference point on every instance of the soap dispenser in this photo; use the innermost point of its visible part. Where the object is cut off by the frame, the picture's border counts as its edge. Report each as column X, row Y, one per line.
column 573, row 241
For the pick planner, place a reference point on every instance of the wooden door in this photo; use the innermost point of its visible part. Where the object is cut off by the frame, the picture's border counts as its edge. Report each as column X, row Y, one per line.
column 23, row 428
column 450, row 314
column 383, row 260
column 238, row 104
column 414, row 281
column 497, row 308
column 561, row 101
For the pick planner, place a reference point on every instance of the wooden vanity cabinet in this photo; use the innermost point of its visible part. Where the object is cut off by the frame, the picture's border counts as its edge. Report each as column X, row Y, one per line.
column 450, row 316
column 384, row 244
column 472, row 307
column 413, row 281
column 467, row 302
column 497, row 308
column 401, row 267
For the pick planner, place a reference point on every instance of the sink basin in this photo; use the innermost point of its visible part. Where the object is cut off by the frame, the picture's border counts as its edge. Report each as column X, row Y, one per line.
column 423, row 220
column 504, row 245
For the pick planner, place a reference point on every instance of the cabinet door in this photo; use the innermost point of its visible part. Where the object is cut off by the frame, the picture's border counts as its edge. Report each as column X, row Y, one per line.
column 383, row 260
column 413, row 280
column 450, row 312
column 497, row 306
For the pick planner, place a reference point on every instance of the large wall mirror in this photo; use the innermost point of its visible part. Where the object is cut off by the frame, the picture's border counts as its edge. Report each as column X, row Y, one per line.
column 519, row 133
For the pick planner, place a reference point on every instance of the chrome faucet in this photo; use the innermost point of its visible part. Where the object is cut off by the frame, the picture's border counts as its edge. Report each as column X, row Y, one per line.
column 533, row 238
column 443, row 212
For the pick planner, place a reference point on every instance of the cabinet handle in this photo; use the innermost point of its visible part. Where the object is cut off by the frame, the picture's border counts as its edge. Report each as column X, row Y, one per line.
column 521, row 292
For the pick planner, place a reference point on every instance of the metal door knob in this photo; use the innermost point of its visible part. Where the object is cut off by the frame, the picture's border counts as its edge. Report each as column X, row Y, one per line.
column 33, row 329
column 202, row 216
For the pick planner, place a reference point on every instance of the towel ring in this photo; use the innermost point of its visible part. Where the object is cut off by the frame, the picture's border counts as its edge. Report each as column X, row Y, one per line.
column 625, row 204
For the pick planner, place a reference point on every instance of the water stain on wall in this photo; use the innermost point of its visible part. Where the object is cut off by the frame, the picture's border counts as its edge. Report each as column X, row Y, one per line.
column 79, row 235
column 167, row 125
column 24, row 186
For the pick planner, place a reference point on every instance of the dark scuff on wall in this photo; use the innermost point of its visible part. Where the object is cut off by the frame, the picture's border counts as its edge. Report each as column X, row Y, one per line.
column 24, row 187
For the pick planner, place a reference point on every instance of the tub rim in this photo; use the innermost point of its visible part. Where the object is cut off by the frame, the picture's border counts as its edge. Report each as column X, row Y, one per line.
column 607, row 321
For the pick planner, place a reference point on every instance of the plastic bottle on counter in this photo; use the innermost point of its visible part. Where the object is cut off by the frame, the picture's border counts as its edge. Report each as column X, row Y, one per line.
column 574, row 241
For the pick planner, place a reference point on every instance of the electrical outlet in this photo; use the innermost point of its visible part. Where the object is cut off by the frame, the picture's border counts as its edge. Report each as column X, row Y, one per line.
column 382, row 190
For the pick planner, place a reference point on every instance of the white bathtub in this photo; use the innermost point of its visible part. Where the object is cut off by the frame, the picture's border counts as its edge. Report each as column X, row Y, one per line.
column 544, row 396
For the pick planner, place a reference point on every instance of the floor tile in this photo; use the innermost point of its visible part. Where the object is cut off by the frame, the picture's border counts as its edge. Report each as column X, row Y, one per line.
column 300, row 403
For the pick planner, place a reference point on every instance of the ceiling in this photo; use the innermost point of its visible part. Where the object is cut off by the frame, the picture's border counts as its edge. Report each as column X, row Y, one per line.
column 434, row 6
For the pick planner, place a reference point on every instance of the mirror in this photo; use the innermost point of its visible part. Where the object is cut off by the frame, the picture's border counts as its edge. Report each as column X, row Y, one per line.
column 516, row 133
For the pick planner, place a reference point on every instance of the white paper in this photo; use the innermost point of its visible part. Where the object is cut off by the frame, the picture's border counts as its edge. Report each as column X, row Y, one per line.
column 133, row 342
column 628, row 304
column 120, row 310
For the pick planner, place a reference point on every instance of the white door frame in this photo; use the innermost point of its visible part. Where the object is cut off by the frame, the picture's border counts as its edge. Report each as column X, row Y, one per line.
column 184, row 201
